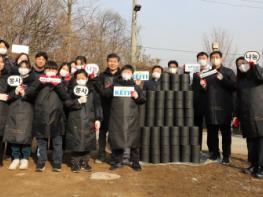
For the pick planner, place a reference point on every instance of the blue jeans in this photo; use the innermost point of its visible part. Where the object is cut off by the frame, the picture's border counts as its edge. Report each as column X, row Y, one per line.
column 21, row 151
column 57, row 150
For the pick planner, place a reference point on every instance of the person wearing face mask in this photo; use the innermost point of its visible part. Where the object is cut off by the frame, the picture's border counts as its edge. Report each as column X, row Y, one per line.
column 103, row 82
column 20, row 142
column 41, row 59
column 81, row 62
column 124, row 120
column 4, row 46
column 84, row 122
column 219, row 107
column 199, row 94
column 4, row 89
column 249, row 110
column 173, row 67
column 154, row 83
column 49, row 117
column 65, row 74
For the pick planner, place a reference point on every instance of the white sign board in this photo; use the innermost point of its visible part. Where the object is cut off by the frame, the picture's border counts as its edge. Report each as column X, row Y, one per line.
column 141, row 75
column 192, row 68
column 20, row 49
column 252, row 56
column 49, row 80
column 81, row 90
column 92, row 68
column 14, row 80
column 122, row 91
column 208, row 73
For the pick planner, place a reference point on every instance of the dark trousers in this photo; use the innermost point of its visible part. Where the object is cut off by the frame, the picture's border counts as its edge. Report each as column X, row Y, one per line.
column 117, row 155
column 198, row 120
column 255, row 151
column 103, row 139
column 2, row 150
column 57, row 152
column 213, row 140
column 80, row 156
column 22, row 151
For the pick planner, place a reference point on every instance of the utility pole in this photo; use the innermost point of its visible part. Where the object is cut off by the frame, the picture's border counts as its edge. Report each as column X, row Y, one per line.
column 135, row 9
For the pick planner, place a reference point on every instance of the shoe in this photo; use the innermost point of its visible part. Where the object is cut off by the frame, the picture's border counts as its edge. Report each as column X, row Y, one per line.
column 23, row 164
column 56, row 168
column 101, row 159
column 116, row 166
column 40, row 167
column 225, row 161
column 214, row 157
column 251, row 170
column 14, row 165
column 136, row 166
column 75, row 167
column 85, row 166
column 259, row 173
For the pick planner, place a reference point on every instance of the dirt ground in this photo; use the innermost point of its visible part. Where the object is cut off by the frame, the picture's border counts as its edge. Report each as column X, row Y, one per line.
column 155, row 180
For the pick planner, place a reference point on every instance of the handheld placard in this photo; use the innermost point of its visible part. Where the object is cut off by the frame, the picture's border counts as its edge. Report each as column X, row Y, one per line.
column 208, row 73
column 81, row 90
column 141, row 75
column 252, row 56
column 92, row 68
column 14, row 80
column 122, row 91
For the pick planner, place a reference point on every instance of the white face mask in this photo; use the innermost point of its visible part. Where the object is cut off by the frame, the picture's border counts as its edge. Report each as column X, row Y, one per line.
column 126, row 76
column 23, row 71
column 82, row 82
column 203, row 63
column 63, row 73
column 216, row 62
column 172, row 70
column 156, row 75
column 51, row 73
column 3, row 51
column 244, row 68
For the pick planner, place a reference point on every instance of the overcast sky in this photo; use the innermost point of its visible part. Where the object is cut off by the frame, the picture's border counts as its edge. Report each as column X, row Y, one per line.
column 181, row 24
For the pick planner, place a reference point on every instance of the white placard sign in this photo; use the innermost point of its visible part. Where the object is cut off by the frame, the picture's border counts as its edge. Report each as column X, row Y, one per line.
column 20, row 49
column 252, row 56
column 141, row 75
column 81, row 90
column 192, row 68
column 122, row 91
column 92, row 68
column 49, row 80
column 14, row 80
column 208, row 73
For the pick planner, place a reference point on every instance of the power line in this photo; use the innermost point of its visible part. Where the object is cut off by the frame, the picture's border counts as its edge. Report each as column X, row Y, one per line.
column 232, row 4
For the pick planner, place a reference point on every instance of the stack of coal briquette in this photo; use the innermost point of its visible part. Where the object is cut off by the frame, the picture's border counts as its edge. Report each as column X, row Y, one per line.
column 168, row 133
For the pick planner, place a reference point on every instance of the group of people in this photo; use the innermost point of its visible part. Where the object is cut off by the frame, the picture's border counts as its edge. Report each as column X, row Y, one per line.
column 68, row 106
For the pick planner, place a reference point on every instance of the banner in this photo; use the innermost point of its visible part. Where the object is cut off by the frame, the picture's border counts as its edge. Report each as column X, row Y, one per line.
column 20, row 49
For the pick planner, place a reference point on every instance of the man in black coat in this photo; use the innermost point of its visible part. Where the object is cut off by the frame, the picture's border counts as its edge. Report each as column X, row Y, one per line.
column 4, row 46
column 154, row 83
column 104, row 81
column 41, row 59
column 200, row 95
column 219, row 107
column 249, row 110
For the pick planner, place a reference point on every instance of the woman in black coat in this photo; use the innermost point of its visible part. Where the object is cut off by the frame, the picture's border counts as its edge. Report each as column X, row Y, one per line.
column 85, row 115
column 18, row 129
column 249, row 110
column 3, row 103
column 49, row 117
column 124, row 130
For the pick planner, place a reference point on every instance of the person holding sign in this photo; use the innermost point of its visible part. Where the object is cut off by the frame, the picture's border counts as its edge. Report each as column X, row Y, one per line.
column 200, row 94
column 84, row 121
column 18, row 129
column 124, row 131
column 103, row 82
column 4, row 89
column 81, row 62
column 249, row 110
column 219, row 107
column 41, row 59
column 65, row 74
column 49, row 117
column 154, row 83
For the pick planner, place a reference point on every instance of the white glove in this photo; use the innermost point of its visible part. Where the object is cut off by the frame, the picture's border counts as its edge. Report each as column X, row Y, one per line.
column 3, row 97
column 220, row 76
column 82, row 99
